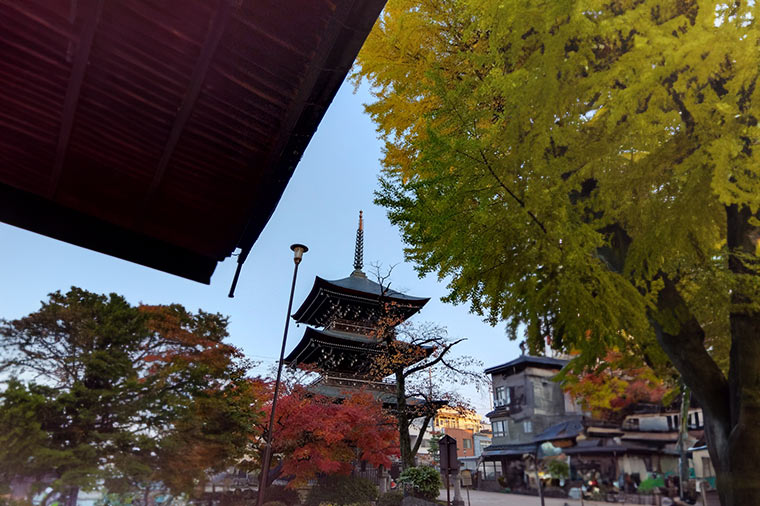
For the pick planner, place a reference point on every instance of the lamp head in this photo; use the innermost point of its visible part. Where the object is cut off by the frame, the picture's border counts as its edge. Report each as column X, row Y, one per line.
column 298, row 251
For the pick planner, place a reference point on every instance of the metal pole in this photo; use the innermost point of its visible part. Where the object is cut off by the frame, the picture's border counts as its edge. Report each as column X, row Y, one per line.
column 268, row 448
column 538, row 479
column 683, row 433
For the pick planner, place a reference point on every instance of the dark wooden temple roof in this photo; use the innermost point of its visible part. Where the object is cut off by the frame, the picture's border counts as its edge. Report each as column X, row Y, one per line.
column 340, row 352
column 356, row 295
column 164, row 132
column 345, row 352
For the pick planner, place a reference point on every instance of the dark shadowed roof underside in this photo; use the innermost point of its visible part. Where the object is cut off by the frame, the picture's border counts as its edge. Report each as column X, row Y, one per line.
column 164, row 132
column 353, row 291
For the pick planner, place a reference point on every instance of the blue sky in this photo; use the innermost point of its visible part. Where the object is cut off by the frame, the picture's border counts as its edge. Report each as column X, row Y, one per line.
column 335, row 179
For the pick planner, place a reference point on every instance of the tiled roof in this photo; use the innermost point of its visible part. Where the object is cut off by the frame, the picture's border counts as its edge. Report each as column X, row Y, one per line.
column 528, row 361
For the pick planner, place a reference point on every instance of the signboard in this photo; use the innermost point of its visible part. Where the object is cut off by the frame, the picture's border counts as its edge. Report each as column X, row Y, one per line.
column 466, row 478
column 563, row 443
column 448, row 448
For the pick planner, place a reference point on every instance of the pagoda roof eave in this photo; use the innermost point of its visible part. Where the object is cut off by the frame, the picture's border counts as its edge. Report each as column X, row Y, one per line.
column 357, row 288
column 332, row 339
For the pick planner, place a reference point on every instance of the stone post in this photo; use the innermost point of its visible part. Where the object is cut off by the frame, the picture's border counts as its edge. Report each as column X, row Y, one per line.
column 457, row 489
column 383, row 485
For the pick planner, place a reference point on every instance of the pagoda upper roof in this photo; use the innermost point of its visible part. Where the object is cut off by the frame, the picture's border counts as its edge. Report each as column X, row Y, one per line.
column 354, row 290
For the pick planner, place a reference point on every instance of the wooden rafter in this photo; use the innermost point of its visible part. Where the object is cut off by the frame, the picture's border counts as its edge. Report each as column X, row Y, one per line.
column 216, row 31
column 279, row 159
column 164, row 133
column 81, row 58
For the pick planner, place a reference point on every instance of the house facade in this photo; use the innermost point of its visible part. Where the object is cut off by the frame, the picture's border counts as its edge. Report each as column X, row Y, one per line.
column 452, row 418
column 527, row 401
column 644, row 445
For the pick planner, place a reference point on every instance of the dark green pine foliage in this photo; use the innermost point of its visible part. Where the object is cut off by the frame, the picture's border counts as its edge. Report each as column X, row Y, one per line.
column 104, row 392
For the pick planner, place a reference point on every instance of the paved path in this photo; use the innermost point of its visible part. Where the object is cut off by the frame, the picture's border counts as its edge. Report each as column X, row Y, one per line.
column 481, row 498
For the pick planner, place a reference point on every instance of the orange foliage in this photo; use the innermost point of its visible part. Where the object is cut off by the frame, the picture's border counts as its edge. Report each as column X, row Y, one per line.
column 619, row 383
column 188, row 339
column 315, row 434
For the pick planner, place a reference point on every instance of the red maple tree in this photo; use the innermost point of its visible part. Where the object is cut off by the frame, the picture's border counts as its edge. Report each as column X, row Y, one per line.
column 315, row 434
column 616, row 384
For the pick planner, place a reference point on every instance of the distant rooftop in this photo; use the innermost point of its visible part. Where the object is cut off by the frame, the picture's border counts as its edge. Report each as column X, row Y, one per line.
column 523, row 361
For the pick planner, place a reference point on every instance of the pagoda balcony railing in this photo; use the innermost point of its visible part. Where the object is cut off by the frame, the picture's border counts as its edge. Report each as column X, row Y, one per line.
column 351, row 326
column 353, row 380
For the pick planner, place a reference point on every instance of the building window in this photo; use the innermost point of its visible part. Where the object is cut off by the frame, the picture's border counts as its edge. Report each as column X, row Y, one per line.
column 501, row 396
column 491, row 470
column 500, row 428
column 467, row 444
column 528, row 426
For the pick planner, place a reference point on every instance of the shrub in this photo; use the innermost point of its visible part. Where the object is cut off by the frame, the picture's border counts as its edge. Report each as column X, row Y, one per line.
column 285, row 495
column 392, row 498
column 558, row 469
column 651, row 483
column 274, row 503
column 341, row 490
column 422, row 482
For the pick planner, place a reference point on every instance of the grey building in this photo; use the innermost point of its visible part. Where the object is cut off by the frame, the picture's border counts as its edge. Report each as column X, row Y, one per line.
column 526, row 402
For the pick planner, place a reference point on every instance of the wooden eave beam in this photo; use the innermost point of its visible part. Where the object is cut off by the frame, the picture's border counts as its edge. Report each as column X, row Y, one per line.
column 42, row 216
column 81, row 58
column 216, row 31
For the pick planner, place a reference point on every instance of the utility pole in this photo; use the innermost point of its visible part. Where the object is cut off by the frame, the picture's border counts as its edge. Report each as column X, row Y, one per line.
column 683, row 433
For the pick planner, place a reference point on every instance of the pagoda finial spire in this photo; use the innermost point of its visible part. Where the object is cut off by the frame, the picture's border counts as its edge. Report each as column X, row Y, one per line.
column 359, row 251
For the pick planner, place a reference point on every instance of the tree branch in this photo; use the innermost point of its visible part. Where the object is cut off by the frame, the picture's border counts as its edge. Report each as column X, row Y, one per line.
column 427, row 365
column 685, row 348
column 417, row 443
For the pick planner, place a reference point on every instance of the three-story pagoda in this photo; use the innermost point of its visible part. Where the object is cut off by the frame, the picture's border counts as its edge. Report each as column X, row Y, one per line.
column 342, row 340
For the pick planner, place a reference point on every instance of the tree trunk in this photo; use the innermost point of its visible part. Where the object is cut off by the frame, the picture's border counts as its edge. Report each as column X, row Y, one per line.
column 683, row 342
column 742, row 479
column 731, row 406
column 73, row 496
column 402, row 416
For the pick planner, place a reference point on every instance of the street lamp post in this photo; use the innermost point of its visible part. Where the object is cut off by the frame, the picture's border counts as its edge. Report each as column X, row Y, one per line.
column 298, row 251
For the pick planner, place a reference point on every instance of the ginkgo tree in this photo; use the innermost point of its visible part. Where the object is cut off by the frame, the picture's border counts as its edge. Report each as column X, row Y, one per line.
column 588, row 169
